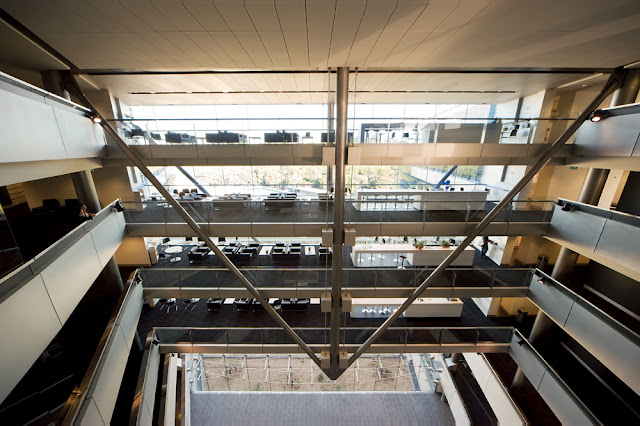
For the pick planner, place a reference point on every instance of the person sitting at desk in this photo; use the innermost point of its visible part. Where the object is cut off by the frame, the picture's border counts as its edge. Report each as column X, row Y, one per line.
column 84, row 213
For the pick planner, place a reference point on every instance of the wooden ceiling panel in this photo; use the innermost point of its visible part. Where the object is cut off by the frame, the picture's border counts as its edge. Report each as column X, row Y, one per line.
column 263, row 14
column 178, row 14
column 319, row 42
column 234, row 14
column 191, row 49
column 292, row 14
column 120, row 14
column 376, row 15
column 320, row 15
column 341, row 45
column 348, row 14
column 276, row 47
column 233, row 48
column 207, row 43
column 253, row 45
column 362, row 46
column 206, row 14
column 297, row 47
column 99, row 20
column 151, row 15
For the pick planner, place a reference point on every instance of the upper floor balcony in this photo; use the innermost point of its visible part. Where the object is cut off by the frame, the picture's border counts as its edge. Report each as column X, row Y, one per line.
column 608, row 237
column 369, row 212
column 36, row 125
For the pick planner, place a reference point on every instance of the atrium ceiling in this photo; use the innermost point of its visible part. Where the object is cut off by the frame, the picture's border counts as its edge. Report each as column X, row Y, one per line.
column 261, row 35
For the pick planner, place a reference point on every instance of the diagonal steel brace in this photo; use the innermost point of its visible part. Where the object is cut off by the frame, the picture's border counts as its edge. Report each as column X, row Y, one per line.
column 72, row 87
column 612, row 84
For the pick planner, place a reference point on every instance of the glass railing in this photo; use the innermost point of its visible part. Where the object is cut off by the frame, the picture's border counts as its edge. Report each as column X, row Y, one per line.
column 434, row 208
column 312, row 130
column 349, row 335
column 320, row 278
column 590, row 307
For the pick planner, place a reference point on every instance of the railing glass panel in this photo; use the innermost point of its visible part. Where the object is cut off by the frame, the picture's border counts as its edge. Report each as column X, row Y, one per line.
column 301, row 210
column 301, row 278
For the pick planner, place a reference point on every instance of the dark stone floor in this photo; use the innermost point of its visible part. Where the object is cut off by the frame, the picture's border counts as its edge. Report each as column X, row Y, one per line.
column 326, row 408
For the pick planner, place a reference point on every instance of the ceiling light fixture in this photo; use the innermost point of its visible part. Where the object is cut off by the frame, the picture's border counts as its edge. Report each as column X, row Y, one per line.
column 97, row 120
column 597, row 115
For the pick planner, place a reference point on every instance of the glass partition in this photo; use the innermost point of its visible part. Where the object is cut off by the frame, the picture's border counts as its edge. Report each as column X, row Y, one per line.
column 307, row 123
column 320, row 278
column 440, row 207
column 348, row 335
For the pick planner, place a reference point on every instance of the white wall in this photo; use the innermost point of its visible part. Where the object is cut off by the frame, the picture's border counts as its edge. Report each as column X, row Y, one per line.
column 500, row 400
column 36, row 126
column 58, row 187
column 36, row 311
column 133, row 252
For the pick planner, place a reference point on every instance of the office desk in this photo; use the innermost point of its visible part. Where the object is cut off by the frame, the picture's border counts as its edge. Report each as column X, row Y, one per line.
column 410, row 199
column 420, row 308
column 428, row 256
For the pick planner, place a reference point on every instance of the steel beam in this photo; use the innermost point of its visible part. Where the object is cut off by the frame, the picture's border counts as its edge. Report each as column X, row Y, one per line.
column 342, row 94
column 444, row 178
column 612, row 84
column 75, row 89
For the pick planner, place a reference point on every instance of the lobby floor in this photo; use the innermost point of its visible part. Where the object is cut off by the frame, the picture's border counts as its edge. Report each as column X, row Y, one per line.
column 319, row 409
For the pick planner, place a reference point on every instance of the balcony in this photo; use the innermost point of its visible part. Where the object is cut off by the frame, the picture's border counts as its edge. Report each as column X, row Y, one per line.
column 305, row 217
column 608, row 237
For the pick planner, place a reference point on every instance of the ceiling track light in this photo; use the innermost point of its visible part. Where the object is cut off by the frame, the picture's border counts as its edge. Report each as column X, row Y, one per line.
column 598, row 115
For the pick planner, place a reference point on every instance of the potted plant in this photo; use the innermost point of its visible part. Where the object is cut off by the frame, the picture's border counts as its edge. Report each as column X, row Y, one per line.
column 445, row 244
column 419, row 245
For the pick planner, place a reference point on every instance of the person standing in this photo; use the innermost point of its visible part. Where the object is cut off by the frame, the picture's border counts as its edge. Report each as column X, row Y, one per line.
column 485, row 245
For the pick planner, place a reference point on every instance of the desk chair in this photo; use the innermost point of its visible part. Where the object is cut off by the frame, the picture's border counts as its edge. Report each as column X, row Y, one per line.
column 171, row 302
column 403, row 257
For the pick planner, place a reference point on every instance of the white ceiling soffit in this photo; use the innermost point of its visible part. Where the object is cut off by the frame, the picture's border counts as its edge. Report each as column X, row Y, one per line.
column 229, row 34
column 312, row 88
column 316, row 34
column 17, row 52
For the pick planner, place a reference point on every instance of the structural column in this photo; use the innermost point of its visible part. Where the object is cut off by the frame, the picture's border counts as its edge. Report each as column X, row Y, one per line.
column 86, row 190
column 589, row 194
column 53, row 82
column 330, row 131
column 338, row 219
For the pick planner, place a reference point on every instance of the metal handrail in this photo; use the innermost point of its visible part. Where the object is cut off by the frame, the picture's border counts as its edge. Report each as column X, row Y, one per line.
column 596, row 311
column 77, row 398
column 504, row 389
column 557, row 377
column 13, row 281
